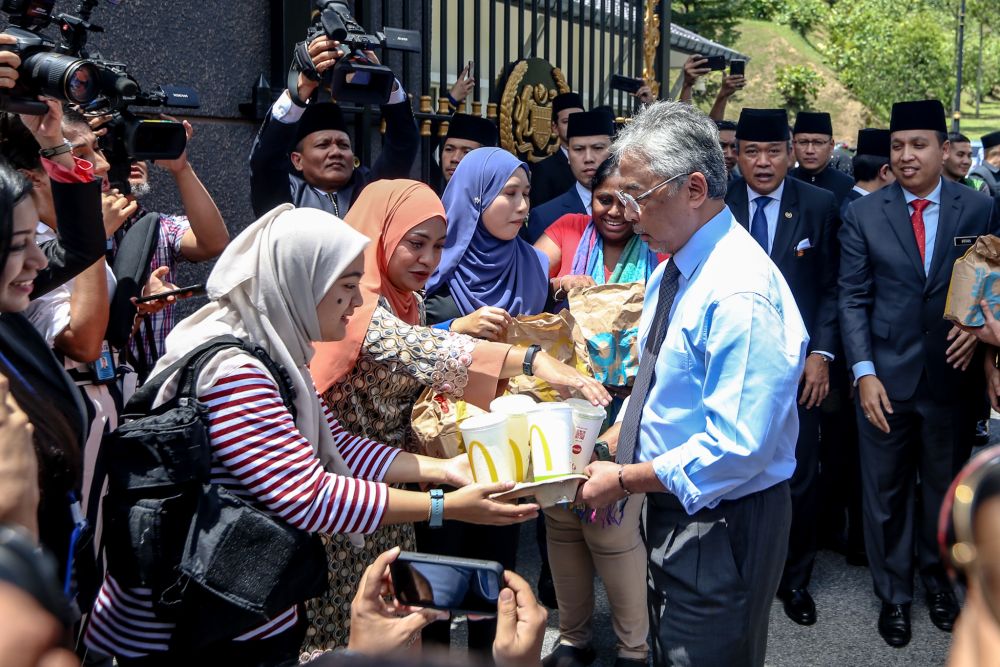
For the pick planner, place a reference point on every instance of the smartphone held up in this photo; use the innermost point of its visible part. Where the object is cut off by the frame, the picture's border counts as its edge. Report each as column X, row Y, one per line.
column 458, row 585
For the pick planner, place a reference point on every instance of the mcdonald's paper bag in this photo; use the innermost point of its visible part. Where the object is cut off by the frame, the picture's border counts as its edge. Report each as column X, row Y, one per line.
column 435, row 419
column 607, row 330
column 554, row 333
column 975, row 276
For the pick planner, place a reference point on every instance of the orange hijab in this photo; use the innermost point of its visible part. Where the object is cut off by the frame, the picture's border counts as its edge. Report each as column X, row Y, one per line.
column 384, row 212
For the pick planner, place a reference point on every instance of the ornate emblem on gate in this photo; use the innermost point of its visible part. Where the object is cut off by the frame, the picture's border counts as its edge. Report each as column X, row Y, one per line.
column 525, row 108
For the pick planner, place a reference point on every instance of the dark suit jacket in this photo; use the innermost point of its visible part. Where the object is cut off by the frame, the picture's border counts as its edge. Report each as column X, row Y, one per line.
column 273, row 179
column 853, row 195
column 550, row 178
column 806, row 212
column 541, row 217
column 891, row 313
column 830, row 179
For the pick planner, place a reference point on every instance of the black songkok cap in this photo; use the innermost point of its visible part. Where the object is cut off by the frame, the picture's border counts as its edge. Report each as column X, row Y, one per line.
column 472, row 128
column 990, row 140
column 763, row 125
column 566, row 101
column 319, row 117
column 589, row 124
column 918, row 115
column 813, row 122
column 873, row 142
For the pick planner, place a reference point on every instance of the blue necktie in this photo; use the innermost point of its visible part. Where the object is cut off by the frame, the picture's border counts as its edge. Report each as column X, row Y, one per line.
column 758, row 226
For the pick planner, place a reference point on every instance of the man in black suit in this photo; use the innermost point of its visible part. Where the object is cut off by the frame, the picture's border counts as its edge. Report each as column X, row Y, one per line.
column 812, row 138
column 911, row 366
column 551, row 177
column 870, row 164
column 589, row 139
column 795, row 222
column 840, row 524
column 465, row 134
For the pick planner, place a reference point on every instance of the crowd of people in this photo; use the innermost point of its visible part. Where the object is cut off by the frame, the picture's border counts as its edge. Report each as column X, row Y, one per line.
column 234, row 487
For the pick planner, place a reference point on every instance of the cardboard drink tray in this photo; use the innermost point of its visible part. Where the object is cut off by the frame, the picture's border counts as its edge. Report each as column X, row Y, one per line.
column 548, row 492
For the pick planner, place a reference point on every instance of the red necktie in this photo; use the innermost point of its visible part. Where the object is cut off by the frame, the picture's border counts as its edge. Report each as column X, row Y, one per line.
column 917, row 220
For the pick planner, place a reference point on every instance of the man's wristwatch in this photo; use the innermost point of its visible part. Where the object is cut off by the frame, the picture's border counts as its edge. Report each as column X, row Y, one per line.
column 529, row 359
column 436, row 517
column 48, row 153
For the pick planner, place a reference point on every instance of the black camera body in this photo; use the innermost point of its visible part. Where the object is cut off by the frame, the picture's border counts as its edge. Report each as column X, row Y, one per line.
column 355, row 78
column 67, row 72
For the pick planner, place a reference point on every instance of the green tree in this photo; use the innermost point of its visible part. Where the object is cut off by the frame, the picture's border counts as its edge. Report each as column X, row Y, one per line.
column 886, row 51
column 798, row 85
column 803, row 16
column 714, row 19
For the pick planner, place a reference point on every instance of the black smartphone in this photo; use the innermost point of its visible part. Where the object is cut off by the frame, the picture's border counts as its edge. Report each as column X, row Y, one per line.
column 458, row 585
column 468, row 70
column 715, row 63
column 190, row 290
column 627, row 84
column 737, row 67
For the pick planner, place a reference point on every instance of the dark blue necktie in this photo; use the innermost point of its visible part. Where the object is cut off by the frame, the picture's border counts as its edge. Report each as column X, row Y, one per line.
column 758, row 226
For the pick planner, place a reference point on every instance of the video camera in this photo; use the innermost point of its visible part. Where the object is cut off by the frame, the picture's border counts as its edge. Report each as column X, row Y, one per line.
column 68, row 72
column 355, row 78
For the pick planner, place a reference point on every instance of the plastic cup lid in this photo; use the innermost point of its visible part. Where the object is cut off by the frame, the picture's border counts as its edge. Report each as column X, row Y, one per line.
column 488, row 420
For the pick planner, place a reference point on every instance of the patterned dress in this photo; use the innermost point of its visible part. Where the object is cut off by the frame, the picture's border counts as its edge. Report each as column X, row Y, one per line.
column 375, row 400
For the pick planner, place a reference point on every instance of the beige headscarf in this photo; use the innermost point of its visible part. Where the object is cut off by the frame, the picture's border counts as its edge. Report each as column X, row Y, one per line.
column 265, row 288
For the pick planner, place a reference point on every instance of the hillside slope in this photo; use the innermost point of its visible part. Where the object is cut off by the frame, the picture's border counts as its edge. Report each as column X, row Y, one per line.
column 771, row 46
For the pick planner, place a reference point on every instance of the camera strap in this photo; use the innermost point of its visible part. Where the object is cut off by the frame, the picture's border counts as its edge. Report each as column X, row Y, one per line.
column 301, row 64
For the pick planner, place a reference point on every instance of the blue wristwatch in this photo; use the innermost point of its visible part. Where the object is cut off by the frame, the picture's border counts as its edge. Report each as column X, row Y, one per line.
column 436, row 518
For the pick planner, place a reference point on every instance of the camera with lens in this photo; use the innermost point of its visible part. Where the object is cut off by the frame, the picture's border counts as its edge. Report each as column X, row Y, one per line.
column 67, row 72
column 47, row 68
column 355, row 78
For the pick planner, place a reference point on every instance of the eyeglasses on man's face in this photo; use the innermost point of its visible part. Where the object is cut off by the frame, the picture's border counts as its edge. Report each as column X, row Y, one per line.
column 631, row 204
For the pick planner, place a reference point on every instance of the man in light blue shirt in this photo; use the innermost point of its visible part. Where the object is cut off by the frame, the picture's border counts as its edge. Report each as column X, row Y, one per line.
column 710, row 430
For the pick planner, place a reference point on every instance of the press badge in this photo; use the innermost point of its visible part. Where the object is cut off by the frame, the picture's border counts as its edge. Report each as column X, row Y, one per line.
column 104, row 366
column 962, row 241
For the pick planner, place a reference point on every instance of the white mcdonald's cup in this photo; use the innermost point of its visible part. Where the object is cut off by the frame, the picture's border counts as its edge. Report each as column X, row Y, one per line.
column 516, row 407
column 485, row 438
column 587, row 420
column 550, row 430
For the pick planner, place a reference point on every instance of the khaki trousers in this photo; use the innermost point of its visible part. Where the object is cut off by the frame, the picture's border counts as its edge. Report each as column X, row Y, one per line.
column 576, row 550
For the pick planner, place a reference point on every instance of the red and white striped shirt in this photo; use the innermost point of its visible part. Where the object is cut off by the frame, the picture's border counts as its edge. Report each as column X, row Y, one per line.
column 258, row 454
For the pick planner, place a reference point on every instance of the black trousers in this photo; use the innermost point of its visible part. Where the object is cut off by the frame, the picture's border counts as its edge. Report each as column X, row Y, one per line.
column 804, row 488
column 927, row 440
column 467, row 540
column 840, row 522
column 713, row 576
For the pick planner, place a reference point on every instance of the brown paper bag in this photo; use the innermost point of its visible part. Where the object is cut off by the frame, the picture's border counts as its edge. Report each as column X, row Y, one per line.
column 976, row 276
column 607, row 330
column 554, row 333
column 435, row 419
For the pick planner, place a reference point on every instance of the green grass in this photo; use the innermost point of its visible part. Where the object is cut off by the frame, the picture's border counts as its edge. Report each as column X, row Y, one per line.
column 771, row 46
column 988, row 121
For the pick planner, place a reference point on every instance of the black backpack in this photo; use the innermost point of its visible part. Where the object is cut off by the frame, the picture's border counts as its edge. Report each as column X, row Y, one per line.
column 217, row 566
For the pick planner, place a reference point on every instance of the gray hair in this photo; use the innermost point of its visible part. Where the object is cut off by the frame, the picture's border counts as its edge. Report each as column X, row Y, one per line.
column 674, row 138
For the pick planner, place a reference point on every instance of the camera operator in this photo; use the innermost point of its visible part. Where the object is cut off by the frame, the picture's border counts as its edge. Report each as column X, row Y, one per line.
column 74, row 191
column 197, row 235
column 303, row 154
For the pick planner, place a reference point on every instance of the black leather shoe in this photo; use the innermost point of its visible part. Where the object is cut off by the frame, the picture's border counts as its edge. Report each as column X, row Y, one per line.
column 630, row 662
column 894, row 624
column 943, row 608
column 569, row 656
column 799, row 605
column 856, row 558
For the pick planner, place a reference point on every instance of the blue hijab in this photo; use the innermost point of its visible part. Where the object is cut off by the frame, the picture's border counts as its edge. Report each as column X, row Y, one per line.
column 478, row 268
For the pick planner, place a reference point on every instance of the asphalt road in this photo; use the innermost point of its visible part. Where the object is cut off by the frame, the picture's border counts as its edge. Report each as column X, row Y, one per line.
column 846, row 634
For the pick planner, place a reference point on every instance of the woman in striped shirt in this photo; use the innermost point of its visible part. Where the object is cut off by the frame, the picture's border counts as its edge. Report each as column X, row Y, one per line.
column 290, row 279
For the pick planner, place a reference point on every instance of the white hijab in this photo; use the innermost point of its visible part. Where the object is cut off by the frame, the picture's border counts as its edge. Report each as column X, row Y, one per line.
column 265, row 288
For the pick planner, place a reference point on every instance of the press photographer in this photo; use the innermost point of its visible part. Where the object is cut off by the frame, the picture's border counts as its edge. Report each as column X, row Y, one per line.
column 303, row 152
